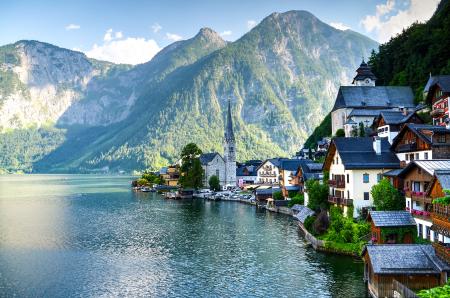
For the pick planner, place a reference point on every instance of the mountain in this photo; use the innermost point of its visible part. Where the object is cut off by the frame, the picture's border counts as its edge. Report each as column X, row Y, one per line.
column 281, row 78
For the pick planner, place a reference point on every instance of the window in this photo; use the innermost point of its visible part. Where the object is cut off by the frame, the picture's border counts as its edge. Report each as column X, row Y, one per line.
column 407, row 204
column 442, row 138
column 406, row 156
column 348, row 178
column 217, row 173
column 337, row 160
column 428, row 232
column 348, row 194
column 420, row 230
column 365, row 178
column 417, row 156
column 411, row 157
column 366, row 196
column 416, row 186
column 426, row 155
column 379, row 177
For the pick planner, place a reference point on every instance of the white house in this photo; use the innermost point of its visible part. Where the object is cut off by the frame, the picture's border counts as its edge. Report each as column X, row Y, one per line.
column 269, row 171
column 354, row 166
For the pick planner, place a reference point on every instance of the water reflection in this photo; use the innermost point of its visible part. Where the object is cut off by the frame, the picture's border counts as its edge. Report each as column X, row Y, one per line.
column 91, row 236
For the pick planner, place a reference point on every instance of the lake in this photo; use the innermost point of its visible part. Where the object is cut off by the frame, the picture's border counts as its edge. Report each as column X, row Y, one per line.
column 85, row 235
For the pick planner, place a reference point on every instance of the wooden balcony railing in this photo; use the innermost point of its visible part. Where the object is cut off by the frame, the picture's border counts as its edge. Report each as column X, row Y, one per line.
column 340, row 201
column 347, row 202
column 407, row 147
column 332, row 182
column 442, row 251
column 419, row 213
column 334, row 200
column 437, row 113
column 340, row 183
column 441, row 211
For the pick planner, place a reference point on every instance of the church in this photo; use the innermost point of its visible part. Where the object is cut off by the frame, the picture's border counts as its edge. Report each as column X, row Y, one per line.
column 214, row 164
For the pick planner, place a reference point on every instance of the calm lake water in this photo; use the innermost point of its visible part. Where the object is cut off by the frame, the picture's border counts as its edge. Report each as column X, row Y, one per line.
column 80, row 235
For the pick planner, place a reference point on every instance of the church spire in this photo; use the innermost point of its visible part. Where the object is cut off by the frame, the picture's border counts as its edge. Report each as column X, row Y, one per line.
column 229, row 134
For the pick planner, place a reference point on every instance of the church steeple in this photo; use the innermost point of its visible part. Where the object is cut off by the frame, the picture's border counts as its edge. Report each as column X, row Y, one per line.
column 364, row 75
column 229, row 134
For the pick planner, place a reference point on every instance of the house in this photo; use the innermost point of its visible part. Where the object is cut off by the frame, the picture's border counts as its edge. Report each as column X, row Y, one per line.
column 388, row 123
column 440, row 215
column 246, row 172
column 307, row 171
column 305, row 153
column 415, row 266
column 287, row 170
column 392, row 227
column 213, row 165
column 269, row 171
column 170, row 175
column 354, row 166
column 417, row 177
column 364, row 96
column 437, row 94
column 422, row 141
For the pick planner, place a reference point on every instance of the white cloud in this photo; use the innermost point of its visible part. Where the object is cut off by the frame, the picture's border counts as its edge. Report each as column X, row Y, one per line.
column 156, row 27
column 130, row 50
column 339, row 26
column 251, row 24
column 73, row 27
column 386, row 25
column 173, row 37
column 226, row 33
column 108, row 35
column 118, row 35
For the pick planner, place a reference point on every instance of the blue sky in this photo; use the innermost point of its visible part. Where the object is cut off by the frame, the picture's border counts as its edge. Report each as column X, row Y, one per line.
column 133, row 31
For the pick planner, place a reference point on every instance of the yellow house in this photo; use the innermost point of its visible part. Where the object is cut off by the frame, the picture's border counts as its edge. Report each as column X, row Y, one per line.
column 170, row 174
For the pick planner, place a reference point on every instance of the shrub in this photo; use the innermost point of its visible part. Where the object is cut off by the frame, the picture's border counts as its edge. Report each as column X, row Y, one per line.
column 321, row 223
column 387, row 197
column 142, row 182
column 214, row 183
column 309, row 221
column 298, row 199
column 277, row 195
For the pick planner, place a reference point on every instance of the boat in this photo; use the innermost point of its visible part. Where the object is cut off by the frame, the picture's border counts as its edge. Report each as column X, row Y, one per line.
column 146, row 189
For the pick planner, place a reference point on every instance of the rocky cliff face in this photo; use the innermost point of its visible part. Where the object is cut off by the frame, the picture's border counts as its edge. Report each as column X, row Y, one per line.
column 282, row 77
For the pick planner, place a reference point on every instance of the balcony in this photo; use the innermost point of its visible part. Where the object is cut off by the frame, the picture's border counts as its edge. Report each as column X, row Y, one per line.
column 347, row 202
column 269, row 174
column 407, row 147
column 437, row 113
column 440, row 217
column 332, row 182
column 419, row 213
column 334, row 200
column 442, row 251
column 340, row 201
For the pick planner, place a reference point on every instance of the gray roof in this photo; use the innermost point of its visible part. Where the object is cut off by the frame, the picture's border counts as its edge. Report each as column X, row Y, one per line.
column 392, row 218
column 206, row 158
column 444, row 178
column 420, row 129
column 377, row 97
column 428, row 165
column 404, row 259
column 292, row 164
column 364, row 112
column 392, row 173
column 363, row 72
column 303, row 212
column 358, row 153
column 267, row 191
column 395, row 117
column 443, row 81
column 315, row 166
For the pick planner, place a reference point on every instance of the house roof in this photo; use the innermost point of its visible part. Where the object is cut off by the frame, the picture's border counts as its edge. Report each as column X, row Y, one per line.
column 358, row 153
column 303, row 212
column 275, row 161
column 443, row 81
column 293, row 164
column 392, row 218
column 315, row 166
column 404, row 259
column 395, row 117
column 374, row 97
column 427, row 165
column 206, row 158
column 423, row 131
column 251, row 170
column 267, row 191
column 364, row 112
column 392, row 173
column 443, row 176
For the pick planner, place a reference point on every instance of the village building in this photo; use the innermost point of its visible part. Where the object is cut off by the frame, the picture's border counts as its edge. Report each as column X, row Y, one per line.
column 246, row 173
column 441, row 213
column 265, row 193
column 170, row 175
column 412, row 265
column 422, row 141
column 437, row 94
column 213, row 165
column 307, row 171
column 417, row 177
column 389, row 123
column 391, row 227
column 354, row 166
column 363, row 101
column 287, row 170
column 269, row 171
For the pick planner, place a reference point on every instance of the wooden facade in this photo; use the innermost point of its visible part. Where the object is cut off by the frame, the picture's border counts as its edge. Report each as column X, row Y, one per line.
column 381, row 285
column 409, row 142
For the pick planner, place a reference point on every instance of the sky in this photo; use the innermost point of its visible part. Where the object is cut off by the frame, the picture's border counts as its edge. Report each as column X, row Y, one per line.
column 134, row 31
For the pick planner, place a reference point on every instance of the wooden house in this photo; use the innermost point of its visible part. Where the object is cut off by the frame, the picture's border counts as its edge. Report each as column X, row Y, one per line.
column 440, row 216
column 392, row 227
column 422, row 141
column 437, row 94
column 415, row 266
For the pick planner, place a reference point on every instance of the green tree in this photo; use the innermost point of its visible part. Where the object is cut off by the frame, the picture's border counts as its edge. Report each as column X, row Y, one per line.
column 277, row 195
column 214, row 183
column 386, row 197
column 318, row 195
column 362, row 130
column 191, row 168
column 340, row 133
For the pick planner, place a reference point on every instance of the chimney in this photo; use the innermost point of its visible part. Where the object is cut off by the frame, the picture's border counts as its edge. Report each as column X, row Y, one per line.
column 377, row 145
